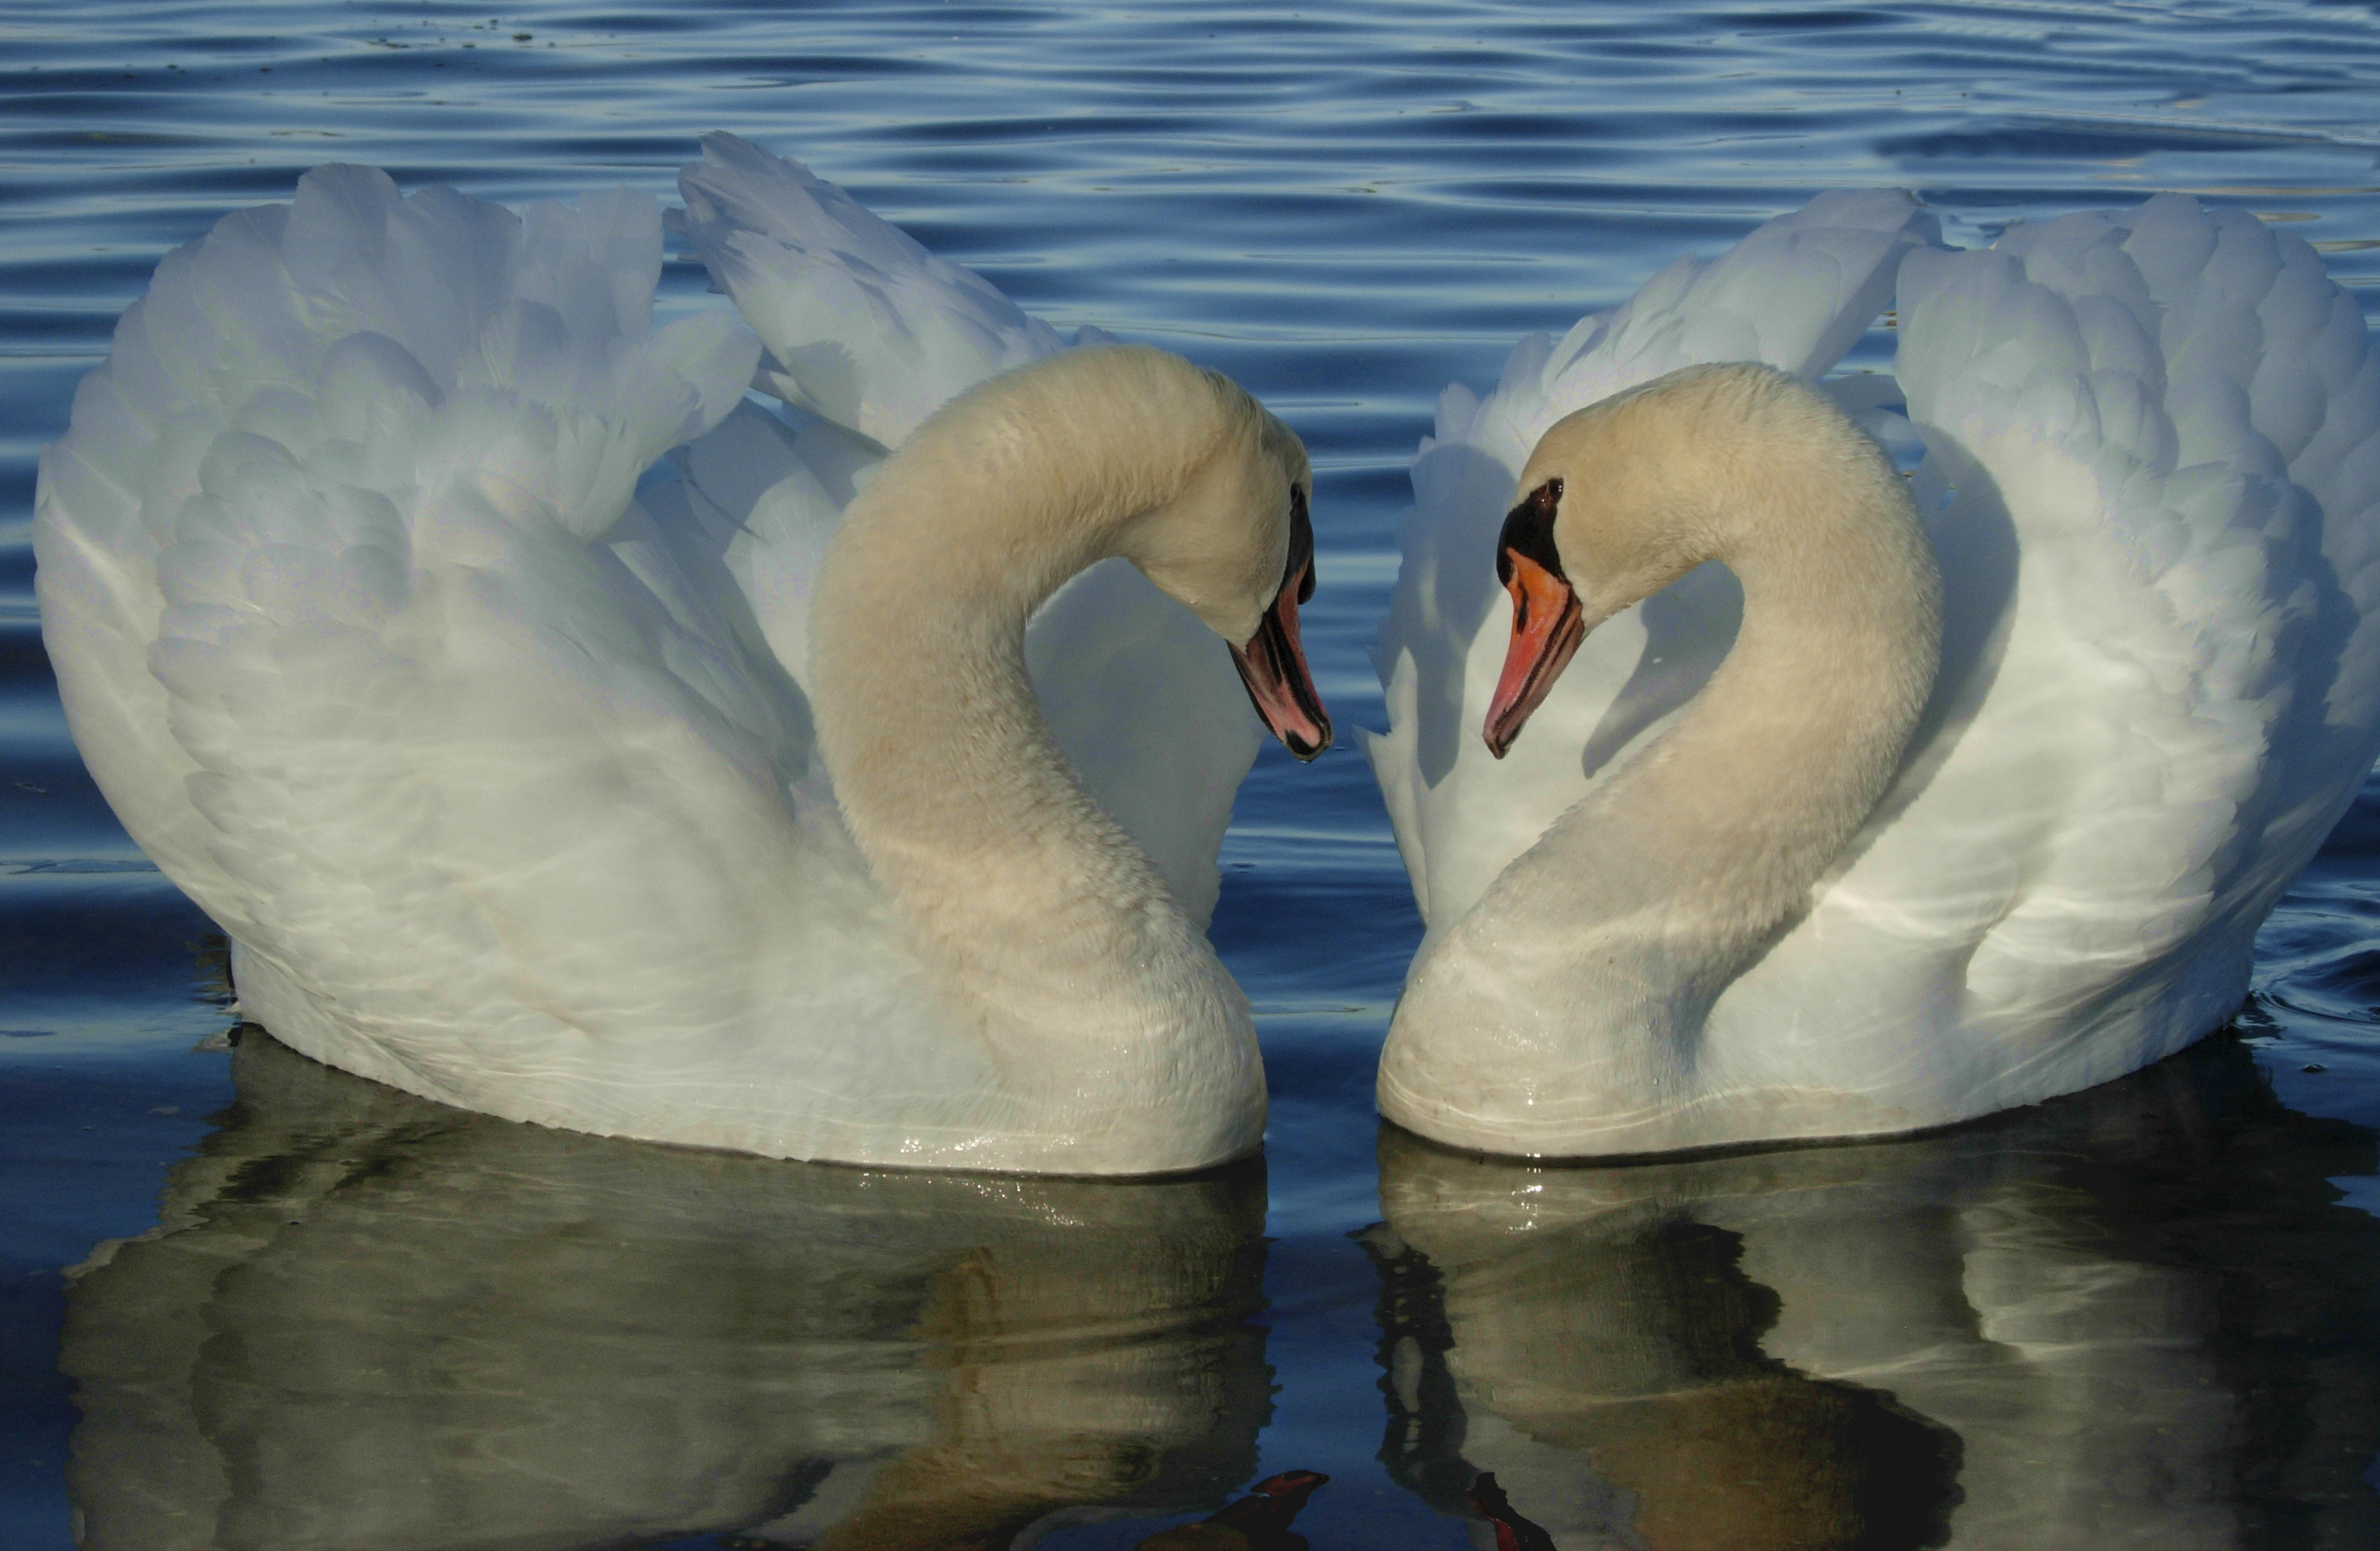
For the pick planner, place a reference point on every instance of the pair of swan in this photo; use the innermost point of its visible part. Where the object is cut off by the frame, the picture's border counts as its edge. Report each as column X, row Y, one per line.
column 851, row 788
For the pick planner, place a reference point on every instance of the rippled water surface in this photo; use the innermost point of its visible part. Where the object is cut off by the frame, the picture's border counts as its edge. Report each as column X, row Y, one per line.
column 2149, row 1315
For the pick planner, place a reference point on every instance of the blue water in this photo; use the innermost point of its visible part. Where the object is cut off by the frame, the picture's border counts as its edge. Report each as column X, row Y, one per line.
column 2149, row 1315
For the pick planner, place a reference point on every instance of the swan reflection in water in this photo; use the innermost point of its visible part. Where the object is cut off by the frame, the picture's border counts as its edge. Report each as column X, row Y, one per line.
column 369, row 1322
column 2138, row 1317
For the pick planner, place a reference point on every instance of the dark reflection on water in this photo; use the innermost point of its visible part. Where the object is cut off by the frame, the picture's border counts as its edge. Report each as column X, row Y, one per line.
column 1636, row 1346
column 371, row 1322
column 2136, row 1318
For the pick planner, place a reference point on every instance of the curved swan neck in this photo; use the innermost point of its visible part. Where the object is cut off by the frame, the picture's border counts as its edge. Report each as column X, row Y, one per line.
column 1570, row 1003
column 1009, row 876
column 1766, row 776
column 1641, row 904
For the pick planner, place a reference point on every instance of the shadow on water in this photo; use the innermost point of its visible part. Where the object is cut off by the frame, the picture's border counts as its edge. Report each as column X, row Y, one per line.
column 369, row 1321
column 2135, row 1318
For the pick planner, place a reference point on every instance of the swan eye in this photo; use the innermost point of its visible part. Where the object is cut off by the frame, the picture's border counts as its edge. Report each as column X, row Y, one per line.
column 1529, row 533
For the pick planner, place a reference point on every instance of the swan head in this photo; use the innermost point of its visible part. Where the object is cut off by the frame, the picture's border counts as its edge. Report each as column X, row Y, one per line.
column 1273, row 661
column 1235, row 545
column 1622, row 498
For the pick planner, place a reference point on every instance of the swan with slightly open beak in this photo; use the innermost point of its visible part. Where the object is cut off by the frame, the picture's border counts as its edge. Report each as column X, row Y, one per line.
column 1273, row 663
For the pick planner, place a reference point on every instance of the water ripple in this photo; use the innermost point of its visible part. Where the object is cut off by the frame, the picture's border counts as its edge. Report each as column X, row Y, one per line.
column 1344, row 206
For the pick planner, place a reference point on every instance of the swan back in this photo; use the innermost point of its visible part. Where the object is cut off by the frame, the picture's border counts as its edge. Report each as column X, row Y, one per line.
column 1796, row 295
column 362, row 630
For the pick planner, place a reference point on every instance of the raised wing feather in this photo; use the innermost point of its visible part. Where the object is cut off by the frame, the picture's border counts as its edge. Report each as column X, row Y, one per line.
column 862, row 325
column 1796, row 294
column 2150, row 462
column 415, row 660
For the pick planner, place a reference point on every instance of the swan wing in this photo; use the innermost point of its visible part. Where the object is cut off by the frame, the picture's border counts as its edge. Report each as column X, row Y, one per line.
column 361, row 625
column 2150, row 473
column 1796, row 292
column 870, row 334
column 1145, row 702
column 863, row 326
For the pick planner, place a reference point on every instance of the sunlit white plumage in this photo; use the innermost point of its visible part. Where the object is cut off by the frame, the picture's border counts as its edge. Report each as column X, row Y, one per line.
column 500, row 768
column 2149, row 464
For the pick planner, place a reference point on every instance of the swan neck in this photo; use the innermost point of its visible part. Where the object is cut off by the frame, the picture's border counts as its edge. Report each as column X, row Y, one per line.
column 1720, row 830
column 1010, row 880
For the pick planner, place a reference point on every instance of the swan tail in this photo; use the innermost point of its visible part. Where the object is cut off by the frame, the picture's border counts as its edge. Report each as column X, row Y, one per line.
column 862, row 325
column 1796, row 292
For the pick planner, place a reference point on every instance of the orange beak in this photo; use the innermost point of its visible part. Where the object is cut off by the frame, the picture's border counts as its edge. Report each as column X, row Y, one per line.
column 1272, row 665
column 1547, row 626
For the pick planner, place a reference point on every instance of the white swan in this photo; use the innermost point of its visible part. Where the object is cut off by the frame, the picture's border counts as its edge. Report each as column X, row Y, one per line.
column 509, row 778
column 2149, row 464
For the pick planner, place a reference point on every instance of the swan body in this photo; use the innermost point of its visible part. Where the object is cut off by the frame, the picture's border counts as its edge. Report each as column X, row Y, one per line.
column 1834, row 861
column 664, row 805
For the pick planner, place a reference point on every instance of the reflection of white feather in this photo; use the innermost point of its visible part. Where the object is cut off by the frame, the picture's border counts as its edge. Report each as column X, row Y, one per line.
column 369, row 1321
column 2149, row 460
column 2072, row 1303
column 494, row 754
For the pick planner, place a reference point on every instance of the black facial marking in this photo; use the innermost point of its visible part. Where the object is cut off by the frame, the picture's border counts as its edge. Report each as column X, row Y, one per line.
column 1301, row 547
column 1529, row 533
